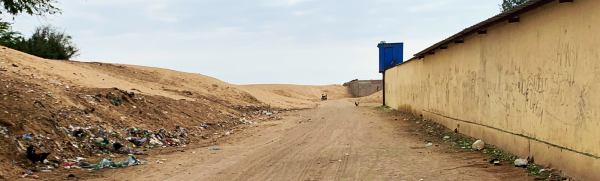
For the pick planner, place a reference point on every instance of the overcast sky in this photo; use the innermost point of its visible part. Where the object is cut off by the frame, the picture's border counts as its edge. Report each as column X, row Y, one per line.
column 259, row 41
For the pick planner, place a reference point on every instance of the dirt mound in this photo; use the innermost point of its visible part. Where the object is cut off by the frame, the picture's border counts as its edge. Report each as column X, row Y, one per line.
column 373, row 98
column 77, row 109
column 295, row 96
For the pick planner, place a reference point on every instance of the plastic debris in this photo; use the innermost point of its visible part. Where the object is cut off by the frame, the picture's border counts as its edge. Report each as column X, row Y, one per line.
column 28, row 173
column 521, row 162
column 478, row 145
column 27, row 137
column 496, row 162
column 4, row 131
column 214, row 148
column 68, row 165
column 108, row 163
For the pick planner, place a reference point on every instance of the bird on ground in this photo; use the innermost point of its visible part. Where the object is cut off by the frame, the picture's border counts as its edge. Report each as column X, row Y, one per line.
column 35, row 157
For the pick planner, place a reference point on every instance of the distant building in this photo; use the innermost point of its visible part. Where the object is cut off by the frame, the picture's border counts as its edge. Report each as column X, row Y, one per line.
column 362, row 88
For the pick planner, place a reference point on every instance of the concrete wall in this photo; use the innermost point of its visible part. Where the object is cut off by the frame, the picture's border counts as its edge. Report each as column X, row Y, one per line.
column 532, row 88
column 362, row 88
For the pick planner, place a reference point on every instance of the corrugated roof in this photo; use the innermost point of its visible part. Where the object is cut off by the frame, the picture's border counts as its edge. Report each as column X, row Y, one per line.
column 532, row 4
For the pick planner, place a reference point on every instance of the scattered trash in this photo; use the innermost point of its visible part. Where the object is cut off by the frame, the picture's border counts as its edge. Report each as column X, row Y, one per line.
column 27, row 137
column 428, row 144
column 347, row 154
column 28, row 173
column 108, row 163
column 137, row 141
column 521, row 162
column 79, row 159
column 69, row 165
column 245, row 121
column 214, row 148
column 495, row 162
column 446, row 137
column 205, row 126
column 4, row 132
column 478, row 145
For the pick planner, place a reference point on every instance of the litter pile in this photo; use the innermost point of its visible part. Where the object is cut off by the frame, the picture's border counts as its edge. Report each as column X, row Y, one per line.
column 66, row 128
column 433, row 131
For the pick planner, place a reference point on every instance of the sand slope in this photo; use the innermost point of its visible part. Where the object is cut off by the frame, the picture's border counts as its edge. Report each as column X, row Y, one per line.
column 294, row 96
column 45, row 97
column 167, row 83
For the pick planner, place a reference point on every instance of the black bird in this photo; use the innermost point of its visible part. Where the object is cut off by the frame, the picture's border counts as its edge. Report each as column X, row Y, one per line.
column 356, row 104
column 36, row 157
column 117, row 146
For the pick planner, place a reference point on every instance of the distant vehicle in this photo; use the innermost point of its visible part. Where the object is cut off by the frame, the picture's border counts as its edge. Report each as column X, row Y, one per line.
column 323, row 97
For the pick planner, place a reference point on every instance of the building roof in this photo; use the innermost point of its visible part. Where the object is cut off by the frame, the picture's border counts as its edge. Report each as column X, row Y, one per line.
column 515, row 12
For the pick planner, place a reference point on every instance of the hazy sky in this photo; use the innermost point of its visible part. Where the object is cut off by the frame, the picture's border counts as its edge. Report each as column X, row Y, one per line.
column 259, row 41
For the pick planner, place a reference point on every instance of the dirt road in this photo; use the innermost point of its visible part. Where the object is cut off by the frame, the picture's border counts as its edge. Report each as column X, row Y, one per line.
column 336, row 141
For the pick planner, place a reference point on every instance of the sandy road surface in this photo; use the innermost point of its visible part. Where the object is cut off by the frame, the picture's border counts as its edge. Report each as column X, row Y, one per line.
column 336, row 141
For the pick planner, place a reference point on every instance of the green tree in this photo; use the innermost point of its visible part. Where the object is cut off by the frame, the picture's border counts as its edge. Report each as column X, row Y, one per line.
column 32, row 7
column 507, row 5
column 48, row 42
column 8, row 37
column 15, row 7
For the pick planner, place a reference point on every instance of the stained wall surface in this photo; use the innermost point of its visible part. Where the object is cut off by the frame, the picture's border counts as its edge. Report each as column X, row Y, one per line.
column 532, row 87
column 362, row 88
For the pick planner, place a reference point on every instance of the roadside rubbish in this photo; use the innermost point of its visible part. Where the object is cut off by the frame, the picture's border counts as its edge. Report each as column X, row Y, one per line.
column 27, row 137
column 4, row 132
column 109, row 163
column 478, row 145
column 496, row 162
column 446, row 137
column 521, row 162
column 428, row 144
column 245, row 121
column 214, row 148
column 69, row 165
column 28, row 173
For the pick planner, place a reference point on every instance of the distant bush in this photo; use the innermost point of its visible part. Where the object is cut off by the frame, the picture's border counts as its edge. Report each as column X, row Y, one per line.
column 508, row 5
column 8, row 37
column 47, row 42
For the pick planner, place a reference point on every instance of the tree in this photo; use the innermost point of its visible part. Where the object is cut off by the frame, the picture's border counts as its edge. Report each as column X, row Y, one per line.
column 16, row 7
column 32, row 7
column 507, row 5
column 47, row 42
column 8, row 37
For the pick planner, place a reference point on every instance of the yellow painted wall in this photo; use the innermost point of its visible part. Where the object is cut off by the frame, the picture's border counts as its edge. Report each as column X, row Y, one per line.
column 531, row 87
